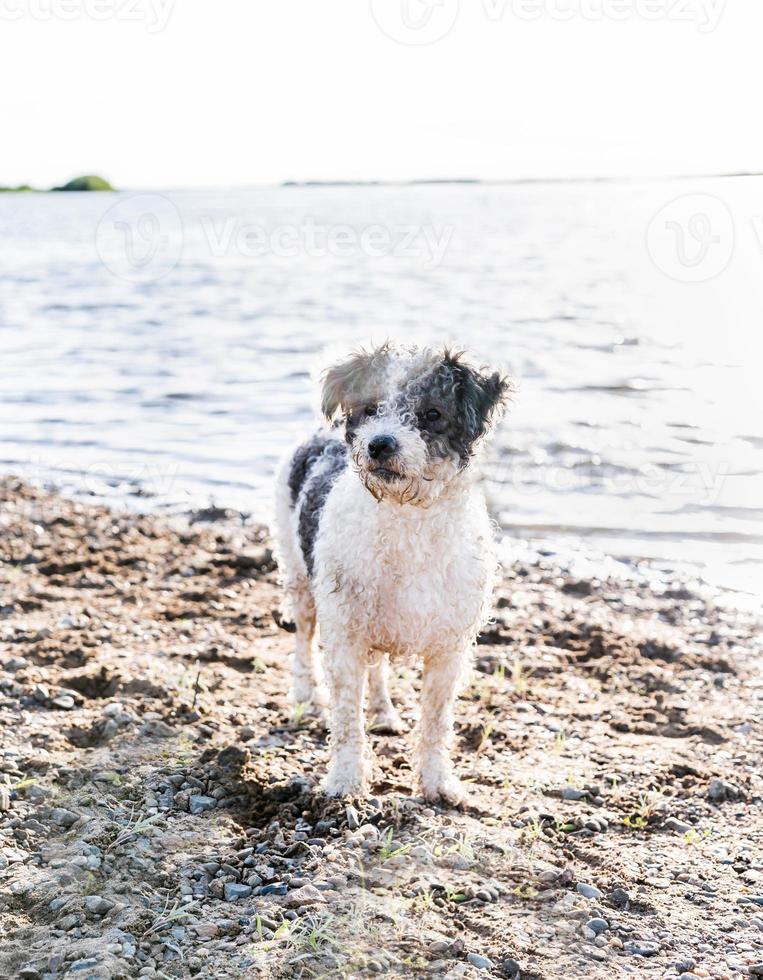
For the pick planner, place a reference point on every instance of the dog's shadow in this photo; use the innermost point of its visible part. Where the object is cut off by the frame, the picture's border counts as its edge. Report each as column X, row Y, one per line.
column 256, row 800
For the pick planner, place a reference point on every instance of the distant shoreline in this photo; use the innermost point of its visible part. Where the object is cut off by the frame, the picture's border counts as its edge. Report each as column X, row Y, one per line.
column 500, row 182
column 86, row 184
column 103, row 185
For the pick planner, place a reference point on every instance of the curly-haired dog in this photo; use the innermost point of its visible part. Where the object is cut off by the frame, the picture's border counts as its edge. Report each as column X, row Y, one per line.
column 384, row 537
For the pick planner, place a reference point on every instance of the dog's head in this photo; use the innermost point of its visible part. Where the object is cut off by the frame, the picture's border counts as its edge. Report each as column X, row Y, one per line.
column 413, row 418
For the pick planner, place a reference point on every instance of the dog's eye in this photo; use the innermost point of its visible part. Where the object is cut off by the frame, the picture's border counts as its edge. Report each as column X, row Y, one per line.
column 371, row 410
column 432, row 415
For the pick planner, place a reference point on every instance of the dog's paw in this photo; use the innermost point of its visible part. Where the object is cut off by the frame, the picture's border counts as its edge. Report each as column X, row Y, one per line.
column 344, row 784
column 447, row 789
column 309, row 699
column 386, row 723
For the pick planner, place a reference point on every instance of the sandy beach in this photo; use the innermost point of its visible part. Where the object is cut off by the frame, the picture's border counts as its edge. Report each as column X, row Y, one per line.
column 159, row 805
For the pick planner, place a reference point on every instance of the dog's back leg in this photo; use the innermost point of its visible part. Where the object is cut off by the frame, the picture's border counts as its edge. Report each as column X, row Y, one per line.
column 382, row 712
column 307, row 686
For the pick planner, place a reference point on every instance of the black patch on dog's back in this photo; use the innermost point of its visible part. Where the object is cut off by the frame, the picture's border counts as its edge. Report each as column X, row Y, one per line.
column 314, row 470
column 302, row 462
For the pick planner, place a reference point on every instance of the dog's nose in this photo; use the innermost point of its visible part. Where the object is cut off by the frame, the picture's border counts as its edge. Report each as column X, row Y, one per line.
column 382, row 447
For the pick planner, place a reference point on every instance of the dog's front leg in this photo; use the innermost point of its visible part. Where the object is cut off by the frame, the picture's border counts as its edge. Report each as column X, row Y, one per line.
column 442, row 672
column 346, row 672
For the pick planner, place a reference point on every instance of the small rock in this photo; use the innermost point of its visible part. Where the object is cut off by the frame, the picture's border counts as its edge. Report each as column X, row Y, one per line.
column 641, row 948
column 97, row 905
column 65, row 702
column 672, row 823
column 597, row 926
column 62, row 817
column 481, row 962
column 574, row 794
column 29, row 972
column 309, row 895
column 234, row 891
column 511, row 969
column 353, row 818
column 588, row 891
column 620, row 898
column 719, row 791
column 5, row 799
column 40, row 693
column 198, row 804
column 88, row 963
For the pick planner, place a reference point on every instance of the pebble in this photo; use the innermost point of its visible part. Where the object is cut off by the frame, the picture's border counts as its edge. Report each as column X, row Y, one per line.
column 641, row 948
column 597, row 926
column 481, row 962
column 62, row 817
column 97, row 905
column 588, row 891
column 719, row 791
column 620, row 898
column 511, row 969
column 65, row 702
column 198, row 804
column 88, row 963
column 672, row 823
column 353, row 817
column 274, row 888
column 308, row 895
column 5, row 799
column 574, row 794
column 234, row 891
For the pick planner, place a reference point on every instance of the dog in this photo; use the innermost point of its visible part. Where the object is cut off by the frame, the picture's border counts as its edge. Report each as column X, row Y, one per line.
column 384, row 542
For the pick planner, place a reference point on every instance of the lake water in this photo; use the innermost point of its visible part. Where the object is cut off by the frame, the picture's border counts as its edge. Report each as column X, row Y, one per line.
column 164, row 343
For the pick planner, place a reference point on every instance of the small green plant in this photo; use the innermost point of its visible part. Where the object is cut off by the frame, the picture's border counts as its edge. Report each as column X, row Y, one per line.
column 299, row 711
column 24, row 784
column 169, row 915
column 565, row 828
column 524, row 891
column 694, row 836
column 456, row 897
column 559, row 741
column 531, row 831
column 387, row 849
column 520, row 676
column 487, row 731
column 634, row 821
column 135, row 827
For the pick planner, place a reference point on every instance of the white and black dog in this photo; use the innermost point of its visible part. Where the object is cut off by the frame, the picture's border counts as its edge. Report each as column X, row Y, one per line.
column 384, row 537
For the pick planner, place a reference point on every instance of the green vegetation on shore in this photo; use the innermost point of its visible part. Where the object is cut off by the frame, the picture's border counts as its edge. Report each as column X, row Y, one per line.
column 87, row 183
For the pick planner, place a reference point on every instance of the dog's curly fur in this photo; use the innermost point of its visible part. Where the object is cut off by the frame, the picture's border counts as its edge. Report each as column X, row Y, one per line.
column 384, row 538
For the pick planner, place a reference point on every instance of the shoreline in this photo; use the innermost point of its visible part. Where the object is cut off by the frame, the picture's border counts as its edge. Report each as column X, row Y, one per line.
column 159, row 812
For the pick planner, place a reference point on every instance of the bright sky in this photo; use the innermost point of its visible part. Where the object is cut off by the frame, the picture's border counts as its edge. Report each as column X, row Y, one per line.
column 156, row 93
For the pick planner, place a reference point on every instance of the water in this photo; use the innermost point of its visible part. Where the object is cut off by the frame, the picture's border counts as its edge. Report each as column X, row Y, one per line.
column 170, row 352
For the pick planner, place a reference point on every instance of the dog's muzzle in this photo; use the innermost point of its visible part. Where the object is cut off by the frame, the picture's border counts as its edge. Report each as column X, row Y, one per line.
column 381, row 450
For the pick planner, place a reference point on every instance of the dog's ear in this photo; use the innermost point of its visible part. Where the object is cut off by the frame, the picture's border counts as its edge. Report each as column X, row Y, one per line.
column 349, row 380
column 483, row 394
